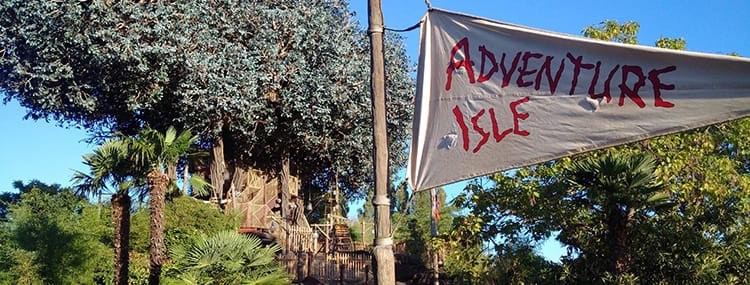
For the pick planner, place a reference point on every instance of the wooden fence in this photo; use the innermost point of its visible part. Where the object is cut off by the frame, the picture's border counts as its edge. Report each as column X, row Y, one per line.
column 332, row 268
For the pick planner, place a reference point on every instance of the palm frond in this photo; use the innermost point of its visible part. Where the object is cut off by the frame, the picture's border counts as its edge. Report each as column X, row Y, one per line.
column 230, row 258
column 199, row 185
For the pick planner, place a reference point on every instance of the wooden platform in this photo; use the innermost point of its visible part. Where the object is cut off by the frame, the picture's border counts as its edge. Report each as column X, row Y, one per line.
column 251, row 230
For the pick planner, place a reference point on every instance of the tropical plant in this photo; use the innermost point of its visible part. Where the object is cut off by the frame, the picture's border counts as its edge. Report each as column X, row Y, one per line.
column 110, row 166
column 228, row 258
column 613, row 192
column 155, row 153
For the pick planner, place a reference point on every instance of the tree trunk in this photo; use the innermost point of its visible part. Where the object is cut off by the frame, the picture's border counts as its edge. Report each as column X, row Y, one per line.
column 218, row 167
column 158, row 182
column 172, row 175
column 121, row 221
column 185, row 180
column 99, row 204
column 172, row 171
column 618, row 240
column 284, row 183
column 237, row 185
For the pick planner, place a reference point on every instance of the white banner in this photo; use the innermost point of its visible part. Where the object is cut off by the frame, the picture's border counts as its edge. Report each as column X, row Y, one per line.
column 493, row 96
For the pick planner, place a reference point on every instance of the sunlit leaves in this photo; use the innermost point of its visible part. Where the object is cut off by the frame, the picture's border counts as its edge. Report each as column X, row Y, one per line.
column 272, row 78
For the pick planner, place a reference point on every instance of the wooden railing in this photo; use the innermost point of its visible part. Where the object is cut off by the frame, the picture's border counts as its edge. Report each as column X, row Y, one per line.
column 333, row 268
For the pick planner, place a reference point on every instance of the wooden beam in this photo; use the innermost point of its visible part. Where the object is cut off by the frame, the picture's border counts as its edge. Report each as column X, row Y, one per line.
column 385, row 272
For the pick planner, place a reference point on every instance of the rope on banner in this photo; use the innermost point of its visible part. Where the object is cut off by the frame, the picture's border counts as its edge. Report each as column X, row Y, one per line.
column 405, row 30
column 429, row 7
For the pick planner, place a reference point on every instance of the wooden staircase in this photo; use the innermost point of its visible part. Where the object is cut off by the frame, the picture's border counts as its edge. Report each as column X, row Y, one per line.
column 341, row 239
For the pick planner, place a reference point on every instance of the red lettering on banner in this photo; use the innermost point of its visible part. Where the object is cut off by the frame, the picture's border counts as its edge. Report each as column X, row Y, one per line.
column 485, row 135
column 552, row 83
column 530, row 74
column 465, row 63
column 524, row 69
column 507, row 73
column 653, row 76
column 605, row 93
column 632, row 93
column 516, row 116
column 479, row 129
column 462, row 125
column 495, row 133
column 577, row 65
column 487, row 54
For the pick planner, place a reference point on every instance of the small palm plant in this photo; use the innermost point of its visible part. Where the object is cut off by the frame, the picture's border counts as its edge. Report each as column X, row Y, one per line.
column 228, row 258
column 157, row 152
column 110, row 167
column 619, row 187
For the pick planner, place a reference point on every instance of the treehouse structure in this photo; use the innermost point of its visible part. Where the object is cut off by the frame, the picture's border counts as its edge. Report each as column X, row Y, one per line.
column 277, row 215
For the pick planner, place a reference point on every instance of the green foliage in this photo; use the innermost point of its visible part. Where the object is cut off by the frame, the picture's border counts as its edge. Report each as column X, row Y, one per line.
column 274, row 78
column 227, row 258
column 53, row 237
column 8, row 198
column 611, row 30
column 154, row 150
column 187, row 218
column 668, row 43
column 464, row 256
column 520, row 264
column 415, row 222
column 110, row 166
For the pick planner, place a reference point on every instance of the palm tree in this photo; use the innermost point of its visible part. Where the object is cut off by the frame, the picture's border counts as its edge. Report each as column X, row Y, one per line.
column 110, row 166
column 618, row 186
column 229, row 258
column 158, row 154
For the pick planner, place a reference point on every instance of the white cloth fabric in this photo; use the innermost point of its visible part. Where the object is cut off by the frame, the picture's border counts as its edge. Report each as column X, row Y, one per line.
column 493, row 96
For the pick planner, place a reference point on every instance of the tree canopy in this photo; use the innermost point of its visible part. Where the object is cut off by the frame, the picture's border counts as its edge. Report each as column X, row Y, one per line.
column 274, row 79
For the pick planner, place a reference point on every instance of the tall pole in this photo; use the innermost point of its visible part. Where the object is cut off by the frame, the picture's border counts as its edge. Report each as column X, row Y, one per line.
column 385, row 272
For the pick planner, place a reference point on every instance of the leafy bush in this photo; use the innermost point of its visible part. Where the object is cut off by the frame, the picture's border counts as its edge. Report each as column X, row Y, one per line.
column 227, row 258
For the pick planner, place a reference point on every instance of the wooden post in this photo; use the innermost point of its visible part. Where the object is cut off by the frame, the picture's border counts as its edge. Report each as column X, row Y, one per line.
column 434, row 233
column 286, row 213
column 385, row 272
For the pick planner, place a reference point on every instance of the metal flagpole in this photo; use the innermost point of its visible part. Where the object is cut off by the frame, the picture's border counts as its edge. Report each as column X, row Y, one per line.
column 385, row 272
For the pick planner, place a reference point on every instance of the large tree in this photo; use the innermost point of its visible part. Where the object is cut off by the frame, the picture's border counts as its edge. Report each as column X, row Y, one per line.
column 265, row 81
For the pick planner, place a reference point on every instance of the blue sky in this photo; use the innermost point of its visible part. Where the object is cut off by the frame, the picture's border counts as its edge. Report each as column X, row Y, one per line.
column 44, row 151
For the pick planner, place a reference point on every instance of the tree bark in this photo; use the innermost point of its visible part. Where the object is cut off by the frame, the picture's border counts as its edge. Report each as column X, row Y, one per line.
column 218, row 167
column 284, row 183
column 185, row 180
column 158, row 182
column 618, row 240
column 237, row 185
column 121, row 220
column 172, row 171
